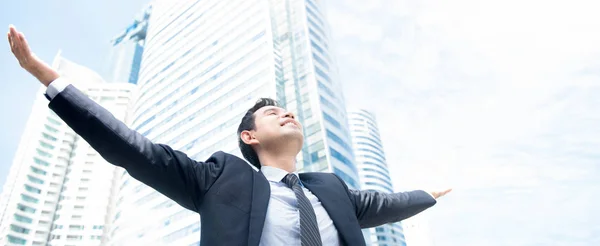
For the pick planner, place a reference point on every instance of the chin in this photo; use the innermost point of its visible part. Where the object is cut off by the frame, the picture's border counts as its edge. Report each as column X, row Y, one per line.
column 296, row 135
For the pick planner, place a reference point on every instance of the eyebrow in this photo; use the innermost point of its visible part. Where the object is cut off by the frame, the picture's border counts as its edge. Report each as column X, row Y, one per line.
column 271, row 110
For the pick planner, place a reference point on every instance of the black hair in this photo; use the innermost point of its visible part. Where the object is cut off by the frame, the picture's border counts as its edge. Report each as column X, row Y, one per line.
column 248, row 124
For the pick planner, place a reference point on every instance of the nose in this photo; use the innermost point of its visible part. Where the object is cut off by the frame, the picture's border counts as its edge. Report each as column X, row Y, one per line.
column 289, row 115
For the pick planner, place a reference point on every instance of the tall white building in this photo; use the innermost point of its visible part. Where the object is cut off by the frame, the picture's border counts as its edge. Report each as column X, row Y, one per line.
column 59, row 189
column 204, row 64
column 373, row 171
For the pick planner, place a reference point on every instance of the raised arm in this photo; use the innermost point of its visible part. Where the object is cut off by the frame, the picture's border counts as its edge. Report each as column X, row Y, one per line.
column 375, row 208
column 170, row 172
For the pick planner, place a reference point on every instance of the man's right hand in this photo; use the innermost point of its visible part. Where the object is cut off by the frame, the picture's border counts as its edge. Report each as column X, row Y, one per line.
column 29, row 61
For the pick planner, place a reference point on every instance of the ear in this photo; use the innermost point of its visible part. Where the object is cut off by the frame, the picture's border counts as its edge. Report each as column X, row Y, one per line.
column 248, row 137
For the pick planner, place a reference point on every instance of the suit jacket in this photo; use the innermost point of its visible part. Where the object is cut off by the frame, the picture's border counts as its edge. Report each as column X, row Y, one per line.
column 230, row 196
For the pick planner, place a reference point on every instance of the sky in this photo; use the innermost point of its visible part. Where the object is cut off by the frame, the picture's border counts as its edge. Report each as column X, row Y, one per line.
column 496, row 99
column 81, row 29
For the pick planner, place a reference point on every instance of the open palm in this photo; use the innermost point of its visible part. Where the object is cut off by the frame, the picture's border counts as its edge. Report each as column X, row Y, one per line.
column 27, row 60
column 438, row 194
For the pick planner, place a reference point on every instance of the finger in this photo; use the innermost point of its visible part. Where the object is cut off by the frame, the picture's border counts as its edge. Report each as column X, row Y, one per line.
column 13, row 44
column 446, row 192
column 23, row 43
column 13, row 31
column 10, row 43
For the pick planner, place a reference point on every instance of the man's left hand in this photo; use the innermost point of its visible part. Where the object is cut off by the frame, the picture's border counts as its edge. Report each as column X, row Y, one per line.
column 438, row 194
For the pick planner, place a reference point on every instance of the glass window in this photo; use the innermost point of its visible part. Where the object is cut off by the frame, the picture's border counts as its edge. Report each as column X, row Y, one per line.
column 310, row 130
column 370, row 145
column 338, row 140
column 317, row 146
column 341, row 158
column 328, row 104
column 47, row 136
column 379, row 179
column 325, row 89
column 33, row 190
column 331, row 120
column 314, row 16
column 29, row 198
column 314, row 35
column 23, row 219
column 16, row 240
column 352, row 183
column 371, row 140
column 53, row 121
column 24, row 208
column 44, row 153
column 45, row 145
column 35, row 180
column 320, row 61
column 38, row 171
column 322, row 74
column 50, row 129
column 19, row 229
column 317, row 47
column 38, row 161
column 384, row 174
column 373, row 152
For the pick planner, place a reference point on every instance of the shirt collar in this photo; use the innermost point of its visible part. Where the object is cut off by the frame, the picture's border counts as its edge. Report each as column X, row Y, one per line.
column 274, row 174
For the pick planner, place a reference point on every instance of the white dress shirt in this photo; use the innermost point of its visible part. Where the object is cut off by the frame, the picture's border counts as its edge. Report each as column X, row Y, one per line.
column 282, row 223
column 55, row 87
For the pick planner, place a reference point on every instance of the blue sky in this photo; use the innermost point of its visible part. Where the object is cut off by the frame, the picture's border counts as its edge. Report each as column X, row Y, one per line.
column 498, row 99
column 82, row 29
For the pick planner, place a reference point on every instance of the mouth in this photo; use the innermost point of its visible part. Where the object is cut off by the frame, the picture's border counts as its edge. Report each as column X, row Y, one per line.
column 289, row 122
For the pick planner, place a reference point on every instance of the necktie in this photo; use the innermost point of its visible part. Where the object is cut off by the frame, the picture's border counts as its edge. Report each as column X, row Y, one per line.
column 309, row 229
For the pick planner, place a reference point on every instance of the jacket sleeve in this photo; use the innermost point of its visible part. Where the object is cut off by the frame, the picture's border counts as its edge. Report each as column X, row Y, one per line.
column 168, row 171
column 375, row 208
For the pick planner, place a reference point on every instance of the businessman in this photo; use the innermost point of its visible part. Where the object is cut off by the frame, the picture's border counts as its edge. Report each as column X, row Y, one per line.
column 238, row 205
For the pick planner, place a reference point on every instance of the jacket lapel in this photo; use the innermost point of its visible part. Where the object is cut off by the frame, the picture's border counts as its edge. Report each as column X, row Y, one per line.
column 330, row 199
column 261, row 192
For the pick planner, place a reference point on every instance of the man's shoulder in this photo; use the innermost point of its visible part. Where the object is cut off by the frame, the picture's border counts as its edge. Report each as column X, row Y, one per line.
column 228, row 160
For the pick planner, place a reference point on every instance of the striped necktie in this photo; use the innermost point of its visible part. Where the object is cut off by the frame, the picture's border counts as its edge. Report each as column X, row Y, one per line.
column 309, row 229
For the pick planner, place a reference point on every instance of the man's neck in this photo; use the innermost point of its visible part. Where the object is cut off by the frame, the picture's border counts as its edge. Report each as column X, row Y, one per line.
column 284, row 162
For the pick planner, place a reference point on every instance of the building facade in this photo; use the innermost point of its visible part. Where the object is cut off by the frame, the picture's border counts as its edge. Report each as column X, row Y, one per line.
column 59, row 189
column 373, row 171
column 126, row 51
column 204, row 64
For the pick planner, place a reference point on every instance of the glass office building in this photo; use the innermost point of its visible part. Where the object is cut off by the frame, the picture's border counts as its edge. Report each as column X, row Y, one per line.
column 373, row 171
column 204, row 64
column 126, row 51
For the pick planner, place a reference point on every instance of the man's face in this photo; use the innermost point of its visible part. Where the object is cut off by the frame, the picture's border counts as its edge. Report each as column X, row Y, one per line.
column 274, row 124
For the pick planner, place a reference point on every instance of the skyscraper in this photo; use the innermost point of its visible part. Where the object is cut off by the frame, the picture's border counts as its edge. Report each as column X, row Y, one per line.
column 127, row 48
column 204, row 64
column 58, row 189
column 373, row 171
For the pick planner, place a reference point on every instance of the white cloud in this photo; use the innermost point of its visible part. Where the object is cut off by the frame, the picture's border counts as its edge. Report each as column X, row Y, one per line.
column 498, row 99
